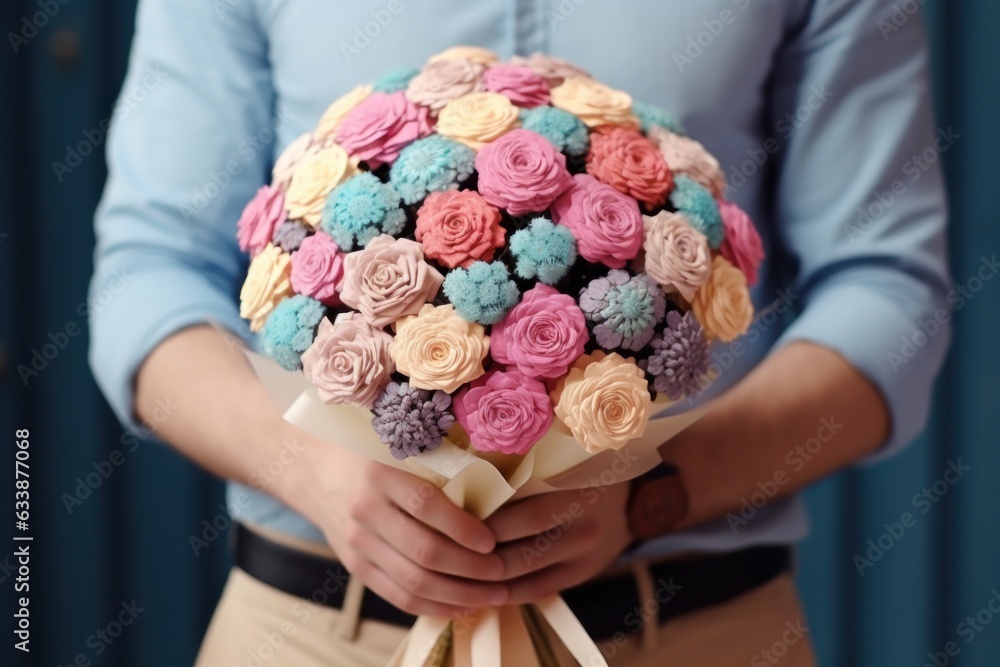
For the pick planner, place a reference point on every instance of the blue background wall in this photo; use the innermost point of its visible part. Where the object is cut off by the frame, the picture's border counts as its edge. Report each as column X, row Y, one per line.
column 128, row 539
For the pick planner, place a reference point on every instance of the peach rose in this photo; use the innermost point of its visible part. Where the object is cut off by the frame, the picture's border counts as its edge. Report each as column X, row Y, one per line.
column 335, row 113
column 594, row 103
column 475, row 54
column 676, row 255
column 315, row 176
column 459, row 227
column 444, row 80
column 687, row 156
column 604, row 401
column 723, row 304
column 268, row 284
column 630, row 163
column 438, row 349
column 388, row 279
column 349, row 361
column 477, row 118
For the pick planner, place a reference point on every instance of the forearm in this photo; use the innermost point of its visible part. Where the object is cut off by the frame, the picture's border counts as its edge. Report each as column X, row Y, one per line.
column 225, row 421
column 802, row 414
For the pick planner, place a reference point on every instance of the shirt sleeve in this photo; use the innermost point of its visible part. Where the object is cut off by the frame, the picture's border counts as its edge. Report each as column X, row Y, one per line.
column 860, row 199
column 190, row 142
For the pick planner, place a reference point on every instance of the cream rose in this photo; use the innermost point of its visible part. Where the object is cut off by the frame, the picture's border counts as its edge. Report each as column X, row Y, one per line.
column 268, row 284
column 675, row 254
column 723, row 304
column 349, row 361
column 594, row 103
column 604, row 401
column 389, row 279
column 284, row 166
column 687, row 156
column 316, row 174
column 335, row 113
column 475, row 54
column 477, row 118
column 438, row 349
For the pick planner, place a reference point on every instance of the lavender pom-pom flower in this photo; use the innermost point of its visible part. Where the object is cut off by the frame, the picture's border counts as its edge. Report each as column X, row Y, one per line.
column 626, row 309
column 410, row 420
column 290, row 234
column 680, row 358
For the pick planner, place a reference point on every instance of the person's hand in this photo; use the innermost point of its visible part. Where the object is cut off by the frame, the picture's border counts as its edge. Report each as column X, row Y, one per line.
column 554, row 541
column 401, row 535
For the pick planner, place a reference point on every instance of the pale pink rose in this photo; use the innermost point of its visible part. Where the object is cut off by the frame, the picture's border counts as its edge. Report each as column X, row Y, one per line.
column 607, row 224
column 284, row 166
column 742, row 245
column 676, row 255
column 504, row 411
column 259, row 219
column 349, row 361
column 522, row 172
column 442, row 81
column 543, row 335
column 388, row 280
column 318, row 269
column 518, row 83
column 553, row 70
column 684, row 155
column 380, row 127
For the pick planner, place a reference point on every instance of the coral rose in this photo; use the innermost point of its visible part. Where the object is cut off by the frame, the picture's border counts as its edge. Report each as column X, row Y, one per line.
column 629, row 162
column 458, row 228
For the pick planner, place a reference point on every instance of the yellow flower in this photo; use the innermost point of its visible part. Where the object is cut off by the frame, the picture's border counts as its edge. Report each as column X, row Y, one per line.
column 722, row 304
column 604, row 401
column 477, row 118
column 474, row 54
column 316, row 174
column 594, row 103
column 335, row 113
column 437, row 349
column 266, row 286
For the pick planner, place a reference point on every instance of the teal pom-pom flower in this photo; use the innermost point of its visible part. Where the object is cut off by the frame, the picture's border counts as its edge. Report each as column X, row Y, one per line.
column 566, row 132
column 543, row 250
column 651, row 115
column 483, row 293
column 394, row 79
column 361, row 209
column 699, row 206
column 431, row 164
column 291, row 329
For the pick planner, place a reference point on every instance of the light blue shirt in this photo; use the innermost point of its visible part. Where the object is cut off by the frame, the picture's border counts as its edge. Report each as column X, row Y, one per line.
column 818, row 110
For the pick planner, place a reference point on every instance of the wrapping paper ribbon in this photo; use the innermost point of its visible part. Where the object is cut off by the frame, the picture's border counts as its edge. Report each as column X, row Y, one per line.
column 496, row 637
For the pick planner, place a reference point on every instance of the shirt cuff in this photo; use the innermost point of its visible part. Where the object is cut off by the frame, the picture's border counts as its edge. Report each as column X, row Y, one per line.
column 132, row 311
column 893, row 328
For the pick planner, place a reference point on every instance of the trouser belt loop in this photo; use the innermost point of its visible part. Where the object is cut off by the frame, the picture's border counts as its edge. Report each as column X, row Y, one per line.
column 350, row 613
column 649, row 606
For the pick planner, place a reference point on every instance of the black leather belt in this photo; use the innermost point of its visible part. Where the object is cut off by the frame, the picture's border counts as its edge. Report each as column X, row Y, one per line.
column 604, row 606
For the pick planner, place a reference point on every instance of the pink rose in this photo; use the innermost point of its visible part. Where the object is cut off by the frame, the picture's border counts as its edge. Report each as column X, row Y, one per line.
column 543, row 335
column 318, row 269
column 553, row 70
column 349, row 361
column 259, row 219
column 518, row 83
column 380, row 127
column 521, row 172
column 459, row 227
column 504, row 412
column 607, row 224
column 742, row 245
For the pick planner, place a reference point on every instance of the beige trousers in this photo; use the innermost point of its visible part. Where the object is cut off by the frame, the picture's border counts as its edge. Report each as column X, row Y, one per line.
column 258, row 626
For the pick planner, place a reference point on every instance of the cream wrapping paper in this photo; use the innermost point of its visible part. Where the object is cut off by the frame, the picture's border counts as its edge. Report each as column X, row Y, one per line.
column 499, row 637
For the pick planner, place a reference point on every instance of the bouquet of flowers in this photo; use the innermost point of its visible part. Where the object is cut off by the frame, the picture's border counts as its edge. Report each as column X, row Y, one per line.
column 497, row 275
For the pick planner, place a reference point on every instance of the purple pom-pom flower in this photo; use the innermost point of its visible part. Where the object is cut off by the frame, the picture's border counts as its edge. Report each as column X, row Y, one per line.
column 626, row 309
column 680, row 358
column 410, row 420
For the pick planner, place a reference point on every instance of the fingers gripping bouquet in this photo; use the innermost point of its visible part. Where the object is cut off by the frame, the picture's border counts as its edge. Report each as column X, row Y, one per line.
column 495, row 275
